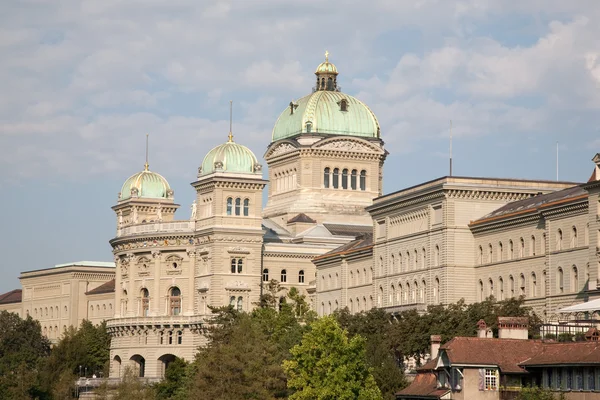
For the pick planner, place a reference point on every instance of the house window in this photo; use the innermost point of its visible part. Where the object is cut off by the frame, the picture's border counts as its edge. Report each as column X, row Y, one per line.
column 229, row 205
column 238, row 203
column 179, row 337
column 574, row 237
column 490, row 253
column 491, row 287
column 326, row 174
column 574, row 279
column 533, row 285
column 175, row 301
column 308, row 127
column 491, row 379
column 500, row 251
column 511, row 250
column 301, row 276
column 511, row 282
column 232, row 301
column 283, row 275
column 561, row 280
column 532, row 252
column 481, row 295
column 240, row 303
column 353, row 179
column 344, row 178
column 145, row 302
column 336, row 177
column 559, row 238
column 237, row 265
column 522, row 248
column 522, row 285
column 265, row 276
column 436, row 259
column 343, row 105
column 246, row 207
column 363, row 180
column 480, row 261
column 501, row 288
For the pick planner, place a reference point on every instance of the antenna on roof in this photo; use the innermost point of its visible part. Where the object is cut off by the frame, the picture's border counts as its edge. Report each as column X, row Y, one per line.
column 557, row 160
column 450, row 147
column 230, row 120
column 146, row 165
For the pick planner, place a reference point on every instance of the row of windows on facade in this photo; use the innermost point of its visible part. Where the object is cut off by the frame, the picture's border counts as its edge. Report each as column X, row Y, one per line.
column 488, row 256
column 408, row 293
column 521, row 289
column 52, row 333
column 403, row 263
column 46, row 312
column 568, row 378
column 348, row 179
column 283, row 276
column 173, row 301
column 238, row 209
column 104, row 312
column 286, row 180
column 356, row 278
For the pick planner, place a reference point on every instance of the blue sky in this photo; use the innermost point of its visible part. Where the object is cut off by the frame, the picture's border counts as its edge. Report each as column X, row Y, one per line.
column 82, row 82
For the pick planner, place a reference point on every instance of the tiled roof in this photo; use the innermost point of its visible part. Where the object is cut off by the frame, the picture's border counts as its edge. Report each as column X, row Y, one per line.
column 566, row 353
column 361, row 243
column 302, row 218
column 14, row 296
column 107, row 287
column 424, row 385
column 507, row 354
column 348, row 230
column 534, row 204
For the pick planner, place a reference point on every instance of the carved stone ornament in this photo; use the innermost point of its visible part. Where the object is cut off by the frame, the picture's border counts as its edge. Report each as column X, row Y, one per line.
column 282, row 148
column 218, row 165
column 257, row 167
column 155, row 253
column 170, row 194
column 134, row 192
column 241, row 250
column 346, row 145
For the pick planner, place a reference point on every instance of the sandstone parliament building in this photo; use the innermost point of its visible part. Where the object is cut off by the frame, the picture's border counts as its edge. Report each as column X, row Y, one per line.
column 326, row 229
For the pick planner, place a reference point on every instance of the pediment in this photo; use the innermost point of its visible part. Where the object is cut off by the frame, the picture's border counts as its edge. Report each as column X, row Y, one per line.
column 281, row 148
column 348, row 144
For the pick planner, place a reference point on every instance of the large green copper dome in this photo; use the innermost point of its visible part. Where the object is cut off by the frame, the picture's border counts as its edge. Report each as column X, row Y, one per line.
column 230, row 157
column 326, row 111
column 146, row 184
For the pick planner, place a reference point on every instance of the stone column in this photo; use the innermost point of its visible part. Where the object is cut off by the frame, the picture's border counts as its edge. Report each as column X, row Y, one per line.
column 156, row 295
column 191, row 280
column 117, row 305
column 131, row 308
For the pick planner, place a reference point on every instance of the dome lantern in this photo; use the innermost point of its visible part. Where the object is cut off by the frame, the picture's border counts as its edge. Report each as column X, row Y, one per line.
column 326, row 75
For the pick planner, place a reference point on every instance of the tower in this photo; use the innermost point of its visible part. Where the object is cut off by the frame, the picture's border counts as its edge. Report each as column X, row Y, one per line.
column 326, row 156
column 228, row 227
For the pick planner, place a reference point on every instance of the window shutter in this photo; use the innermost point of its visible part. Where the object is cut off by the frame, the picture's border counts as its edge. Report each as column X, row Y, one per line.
column 481, row 379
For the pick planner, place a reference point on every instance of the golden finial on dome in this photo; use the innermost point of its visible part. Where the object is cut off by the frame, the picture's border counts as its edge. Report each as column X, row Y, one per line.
column 230, row 120
column 326, row 56
column 146, row 165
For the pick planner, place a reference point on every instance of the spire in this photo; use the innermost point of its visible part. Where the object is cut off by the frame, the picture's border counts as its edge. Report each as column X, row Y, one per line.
column 146, row 165
column 326, row 56
column 230, row 120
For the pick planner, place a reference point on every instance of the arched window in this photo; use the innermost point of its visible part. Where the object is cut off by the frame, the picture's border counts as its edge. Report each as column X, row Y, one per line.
column 240, row 303
column 232, row 301
column 511, row 250
column 175, row 301
column 407, row 294
column 326, row 174
column 532, row 250
column 480, row 257
column 415, row 288
column 238, row 203
column 283, row 275
column 353, row 179
column 436, row 259
column 344, row 105
column 380, row 297
column 544, row 284
column 423, row 291
column 423, row 258
column 522, row 285
column 229, row 205
column 511, row 283
column 308, row 127
column 363, row 180
column 490, row 253
column 336, row 178
column 400, row 266
column 574, row 237
column 559, row 239
column 501, row 288
column 543, row 244
column 522, row 248
column 533, row 284
column 416, row 259
column 491, row 287
column 392, row 294
column 179, row 337
column 560, row 280
column 301, row 276
column 145, row 302
column 380, row 266
column 481, row 296
column 329, row 84
column 500, row 251
column 265, row 276
column 436, row 291
column 351, row 306
column 351, row 283
column 574, row 279
column 246, row 207
column 344, row 178
column 392, row 264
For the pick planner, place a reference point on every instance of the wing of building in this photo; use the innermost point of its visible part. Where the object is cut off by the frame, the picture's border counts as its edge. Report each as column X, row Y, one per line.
column 326, row 229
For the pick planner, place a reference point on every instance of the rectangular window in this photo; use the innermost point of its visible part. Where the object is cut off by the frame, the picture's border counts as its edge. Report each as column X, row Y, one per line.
column 550, row 378
column 559, row 380
column 491, row 379
column 569, row 380
column 578, row 378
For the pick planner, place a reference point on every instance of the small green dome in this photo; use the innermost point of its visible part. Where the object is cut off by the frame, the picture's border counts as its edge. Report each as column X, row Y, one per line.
column 230, row 157
column 146, row 184
column 327, row 112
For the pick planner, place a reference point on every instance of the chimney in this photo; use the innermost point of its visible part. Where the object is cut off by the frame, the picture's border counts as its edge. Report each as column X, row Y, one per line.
column 436, row 340
column 483, row 331
column 513, row 327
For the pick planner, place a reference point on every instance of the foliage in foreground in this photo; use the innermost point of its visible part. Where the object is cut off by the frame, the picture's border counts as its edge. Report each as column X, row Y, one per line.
column 537, row 393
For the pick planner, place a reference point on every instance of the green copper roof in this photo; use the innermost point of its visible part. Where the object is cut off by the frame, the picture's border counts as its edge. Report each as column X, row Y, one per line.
column 321, row 113
column 148, row 184
column 230, row 157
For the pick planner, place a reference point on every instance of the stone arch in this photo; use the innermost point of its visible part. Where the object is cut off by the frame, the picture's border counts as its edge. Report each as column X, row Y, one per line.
column 116, row 367
column 139, row 364
column 164, row 361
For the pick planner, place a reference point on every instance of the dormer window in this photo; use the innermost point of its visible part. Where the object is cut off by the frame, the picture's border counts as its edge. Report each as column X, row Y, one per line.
column 293, row 107
column 308, row 127
column 344, row 105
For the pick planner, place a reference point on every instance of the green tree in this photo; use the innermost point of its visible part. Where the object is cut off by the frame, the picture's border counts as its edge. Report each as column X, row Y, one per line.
column 175, row 378
column 536, row 393
column 130, row 387
column 22, row 349
column 327, row 365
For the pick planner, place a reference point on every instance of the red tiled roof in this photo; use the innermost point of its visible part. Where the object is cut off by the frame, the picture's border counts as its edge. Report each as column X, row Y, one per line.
column 507, row 354
column 106, row 287
column 424, row 385
column 566, row 353
column 14, row 296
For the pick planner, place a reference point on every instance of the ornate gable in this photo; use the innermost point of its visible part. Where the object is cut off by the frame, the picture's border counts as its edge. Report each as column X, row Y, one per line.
column 279, row 149
column 348, row 144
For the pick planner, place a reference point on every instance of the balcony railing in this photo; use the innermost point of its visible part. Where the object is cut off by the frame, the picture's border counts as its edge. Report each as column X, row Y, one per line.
column 420, row 307
column 156, row 227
